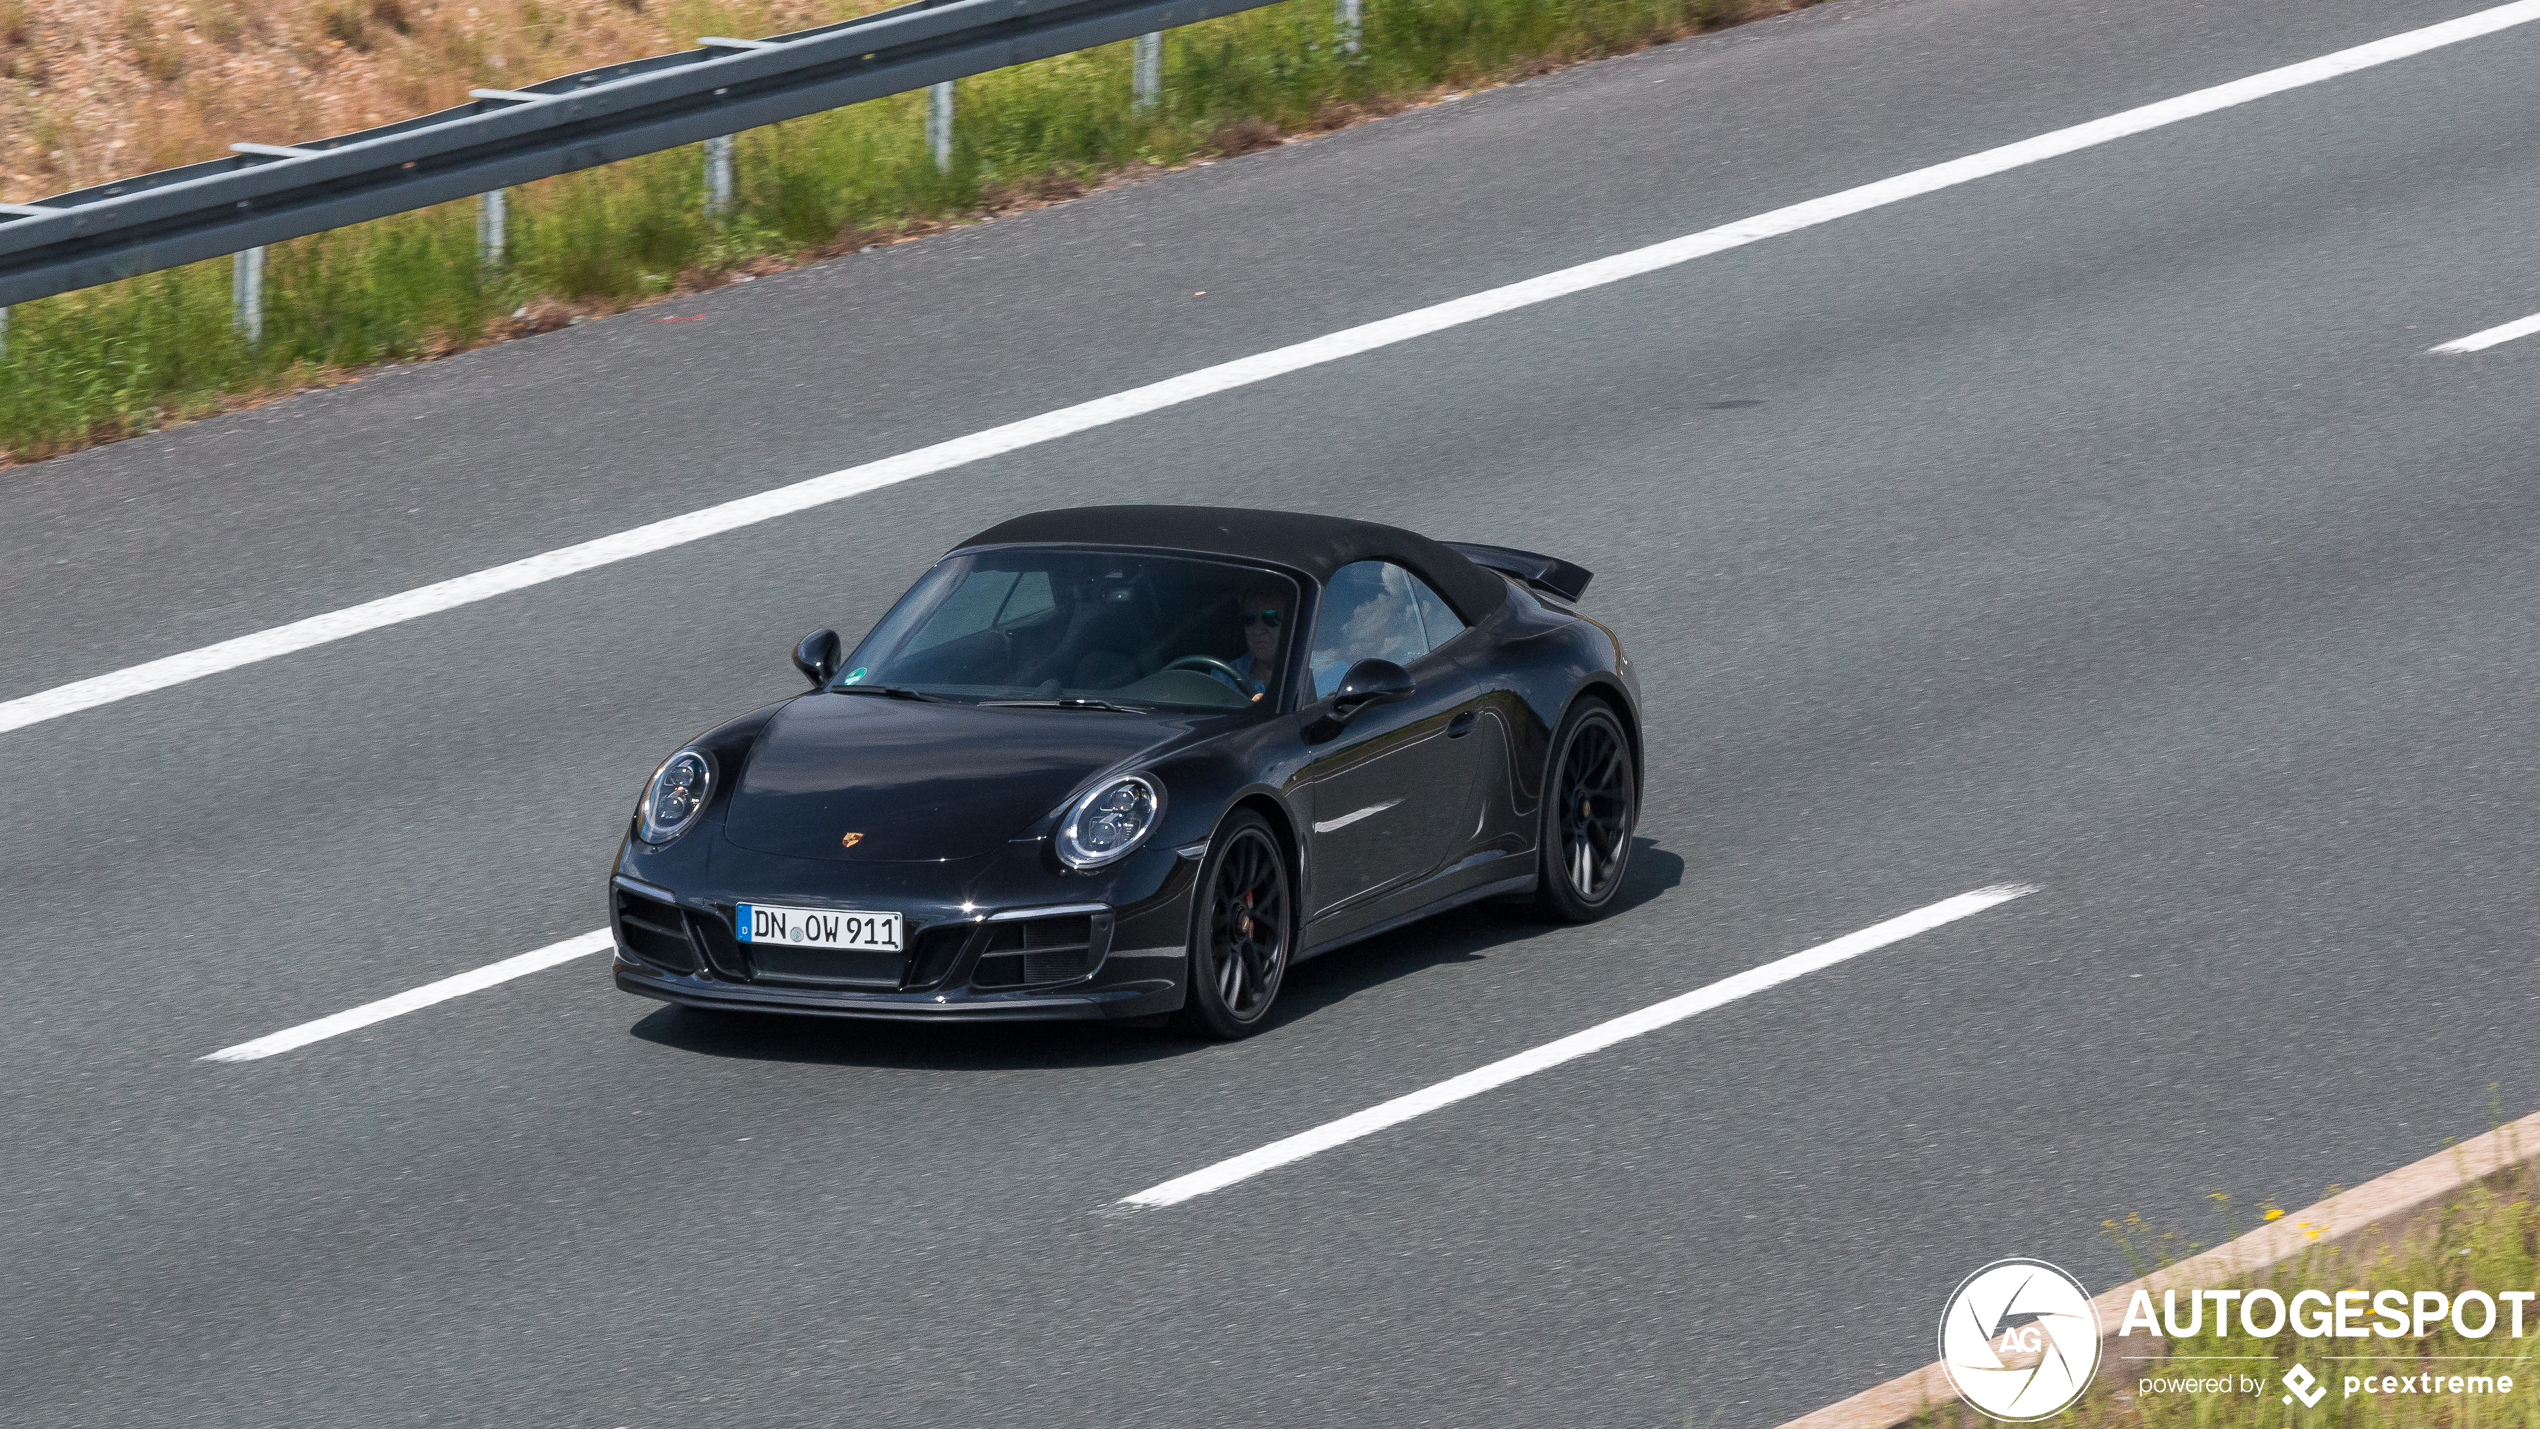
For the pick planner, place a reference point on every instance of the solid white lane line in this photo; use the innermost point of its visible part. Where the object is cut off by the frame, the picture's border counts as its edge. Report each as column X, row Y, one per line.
column 2507, row 332
column 424, row 996
column 1208, row 381
column 1578, row 1044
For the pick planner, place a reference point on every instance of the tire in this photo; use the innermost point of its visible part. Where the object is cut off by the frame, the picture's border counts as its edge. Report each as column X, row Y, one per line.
column 1243, row 930
column 1591, row 803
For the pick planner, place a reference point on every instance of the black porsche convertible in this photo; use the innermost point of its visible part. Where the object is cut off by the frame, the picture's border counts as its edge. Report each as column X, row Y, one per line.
column 1134, row 761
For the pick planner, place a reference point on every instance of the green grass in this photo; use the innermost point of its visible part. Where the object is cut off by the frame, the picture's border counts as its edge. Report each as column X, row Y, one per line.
column 132, row 356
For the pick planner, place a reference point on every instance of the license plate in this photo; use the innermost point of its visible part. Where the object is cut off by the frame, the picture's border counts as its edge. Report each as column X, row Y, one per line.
column 818, row 928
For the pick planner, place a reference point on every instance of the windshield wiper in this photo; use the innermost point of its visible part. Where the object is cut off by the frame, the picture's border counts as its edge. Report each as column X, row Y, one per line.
column 897, row 692
column 1068, row 703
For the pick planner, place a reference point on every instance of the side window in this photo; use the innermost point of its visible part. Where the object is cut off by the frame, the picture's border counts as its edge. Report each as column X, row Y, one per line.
column 1437, row 622
column 1369, row 613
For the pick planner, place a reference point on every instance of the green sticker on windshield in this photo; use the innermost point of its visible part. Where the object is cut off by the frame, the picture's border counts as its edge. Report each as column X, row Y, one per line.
column 856, row 674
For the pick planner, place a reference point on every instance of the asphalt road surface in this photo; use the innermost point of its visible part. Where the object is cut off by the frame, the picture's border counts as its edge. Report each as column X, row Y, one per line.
column 2103, row 525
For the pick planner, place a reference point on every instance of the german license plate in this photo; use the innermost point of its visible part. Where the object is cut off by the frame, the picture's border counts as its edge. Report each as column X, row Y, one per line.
column 818, row 928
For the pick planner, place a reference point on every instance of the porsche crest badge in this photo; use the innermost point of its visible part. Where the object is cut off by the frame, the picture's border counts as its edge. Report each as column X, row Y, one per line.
column 850, row 840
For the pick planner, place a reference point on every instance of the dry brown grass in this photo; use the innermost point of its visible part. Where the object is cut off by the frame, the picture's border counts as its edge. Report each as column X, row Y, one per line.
column 95, row 89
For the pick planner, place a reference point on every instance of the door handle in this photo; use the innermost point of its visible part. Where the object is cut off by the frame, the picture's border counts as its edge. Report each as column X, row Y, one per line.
column 1460, row 726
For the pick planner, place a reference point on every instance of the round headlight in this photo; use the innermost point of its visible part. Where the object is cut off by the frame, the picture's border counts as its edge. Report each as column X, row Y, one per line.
column 1110, row 821
column 676, row 796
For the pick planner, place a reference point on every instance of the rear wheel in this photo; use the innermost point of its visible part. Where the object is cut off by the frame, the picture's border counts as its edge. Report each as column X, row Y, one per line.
column 1242, row 931
column 1590, row 805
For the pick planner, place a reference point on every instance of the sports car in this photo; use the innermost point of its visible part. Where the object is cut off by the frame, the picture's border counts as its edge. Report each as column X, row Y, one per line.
column 1135, row 762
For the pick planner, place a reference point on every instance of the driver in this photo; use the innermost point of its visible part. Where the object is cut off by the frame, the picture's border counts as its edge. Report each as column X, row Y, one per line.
column 1261, row 611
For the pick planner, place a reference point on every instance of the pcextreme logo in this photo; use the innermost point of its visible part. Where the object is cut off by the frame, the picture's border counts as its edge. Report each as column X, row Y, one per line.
column 2019, row 1340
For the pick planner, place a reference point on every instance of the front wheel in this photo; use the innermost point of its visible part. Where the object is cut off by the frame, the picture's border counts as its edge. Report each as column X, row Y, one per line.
column 1590, row 803
column 1242, row 929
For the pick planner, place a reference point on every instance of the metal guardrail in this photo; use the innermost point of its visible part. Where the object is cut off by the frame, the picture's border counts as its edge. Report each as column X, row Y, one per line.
column 265, row 193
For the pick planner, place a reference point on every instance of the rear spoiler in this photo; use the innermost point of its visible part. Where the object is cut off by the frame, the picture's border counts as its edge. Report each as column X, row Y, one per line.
column 1548, row 574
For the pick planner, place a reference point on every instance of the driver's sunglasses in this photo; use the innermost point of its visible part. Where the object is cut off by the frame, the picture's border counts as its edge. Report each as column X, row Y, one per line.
column 1260, row 617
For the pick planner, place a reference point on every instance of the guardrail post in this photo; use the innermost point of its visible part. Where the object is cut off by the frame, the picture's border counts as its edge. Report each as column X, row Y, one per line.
column 247, row 293
column 1146, row 72
column 4, row 334
column 1346, row 14
column 719, row 176
column 493, row 213
column 939, row 123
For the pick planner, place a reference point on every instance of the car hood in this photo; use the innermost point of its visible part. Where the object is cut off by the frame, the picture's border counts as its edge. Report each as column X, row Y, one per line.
column 918, row 780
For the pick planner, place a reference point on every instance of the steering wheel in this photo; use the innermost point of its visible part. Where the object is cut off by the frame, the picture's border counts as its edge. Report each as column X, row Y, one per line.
column 1211, row 664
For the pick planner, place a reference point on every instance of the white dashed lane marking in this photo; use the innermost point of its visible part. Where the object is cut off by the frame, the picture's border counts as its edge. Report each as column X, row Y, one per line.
column 2503, row 332
column 1578, row 1044
column 476, row 980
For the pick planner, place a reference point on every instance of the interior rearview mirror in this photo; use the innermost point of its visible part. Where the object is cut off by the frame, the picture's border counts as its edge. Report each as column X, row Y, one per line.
column 817, row 657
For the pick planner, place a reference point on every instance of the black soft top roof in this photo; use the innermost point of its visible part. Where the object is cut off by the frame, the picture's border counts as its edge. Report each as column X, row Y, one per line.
column 1316, row 545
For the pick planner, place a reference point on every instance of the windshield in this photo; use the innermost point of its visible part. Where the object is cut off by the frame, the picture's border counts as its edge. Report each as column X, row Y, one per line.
column 1089, row 628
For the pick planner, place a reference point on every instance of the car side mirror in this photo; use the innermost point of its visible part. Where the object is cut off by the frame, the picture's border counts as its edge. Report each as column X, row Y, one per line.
column 1371, row 682
column 817, row 657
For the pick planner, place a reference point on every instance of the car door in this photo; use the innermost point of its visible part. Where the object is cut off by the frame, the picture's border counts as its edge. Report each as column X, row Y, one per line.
column 1390, row 795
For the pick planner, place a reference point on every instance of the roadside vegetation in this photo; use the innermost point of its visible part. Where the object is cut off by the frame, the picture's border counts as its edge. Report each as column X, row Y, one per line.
column 2486, row 1239
column 90, row 90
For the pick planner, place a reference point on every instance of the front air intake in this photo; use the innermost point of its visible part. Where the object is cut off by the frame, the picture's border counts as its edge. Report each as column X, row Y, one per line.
column 938, row 948
column 724, row 958
column 1036, row 952
column 652, row 932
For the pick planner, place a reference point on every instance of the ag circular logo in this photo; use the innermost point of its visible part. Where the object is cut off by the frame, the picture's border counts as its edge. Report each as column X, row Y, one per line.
column 2019, row 1339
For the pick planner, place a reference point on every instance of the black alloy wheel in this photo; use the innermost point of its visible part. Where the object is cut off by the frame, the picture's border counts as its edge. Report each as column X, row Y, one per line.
column 1244, row 924
column 1590, row 806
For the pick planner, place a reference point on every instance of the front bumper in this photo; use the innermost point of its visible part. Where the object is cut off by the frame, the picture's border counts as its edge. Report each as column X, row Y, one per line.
column 1138, row 998
column 968, row 957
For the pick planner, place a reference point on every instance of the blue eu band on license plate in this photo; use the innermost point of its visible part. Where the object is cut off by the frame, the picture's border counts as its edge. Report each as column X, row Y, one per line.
column 857, row 929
